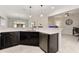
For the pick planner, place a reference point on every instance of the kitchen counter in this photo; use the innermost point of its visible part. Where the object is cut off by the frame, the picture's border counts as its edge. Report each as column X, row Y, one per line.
column 49, row 40
column 49, row 31
column 44, row 30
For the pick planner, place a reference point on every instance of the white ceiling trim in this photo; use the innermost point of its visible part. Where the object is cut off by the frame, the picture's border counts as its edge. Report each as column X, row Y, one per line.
column 62, row 10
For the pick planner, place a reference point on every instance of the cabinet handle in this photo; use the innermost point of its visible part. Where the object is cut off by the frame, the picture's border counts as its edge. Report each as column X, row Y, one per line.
column 0, row 34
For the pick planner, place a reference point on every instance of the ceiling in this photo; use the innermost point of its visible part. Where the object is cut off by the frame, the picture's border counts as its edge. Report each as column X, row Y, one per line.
column 24, row 11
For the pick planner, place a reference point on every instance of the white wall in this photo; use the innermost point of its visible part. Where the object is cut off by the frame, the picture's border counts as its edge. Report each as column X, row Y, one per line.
column 67, row 29
column 43, row 21
column 64, row 9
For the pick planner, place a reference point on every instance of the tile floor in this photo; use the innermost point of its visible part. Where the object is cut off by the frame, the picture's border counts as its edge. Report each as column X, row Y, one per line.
column 22, row 49
column 69, row 44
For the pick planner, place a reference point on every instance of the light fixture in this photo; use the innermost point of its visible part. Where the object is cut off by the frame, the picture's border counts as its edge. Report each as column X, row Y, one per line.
column 68, row 21
column 30, row 16
column 67, row 14
column 52, row 7
column 41, row 15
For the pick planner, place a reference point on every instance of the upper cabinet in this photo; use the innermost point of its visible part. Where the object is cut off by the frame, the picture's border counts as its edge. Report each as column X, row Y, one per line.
column 3, row 22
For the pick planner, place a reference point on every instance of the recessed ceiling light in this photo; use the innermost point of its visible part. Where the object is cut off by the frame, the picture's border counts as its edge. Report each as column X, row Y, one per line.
column 52, row 7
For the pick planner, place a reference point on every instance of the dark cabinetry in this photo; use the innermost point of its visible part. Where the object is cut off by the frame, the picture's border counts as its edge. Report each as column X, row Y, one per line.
column 9, row 39
column 49, row 43
column 29, row 38
column 53, row 43
column 0, row 40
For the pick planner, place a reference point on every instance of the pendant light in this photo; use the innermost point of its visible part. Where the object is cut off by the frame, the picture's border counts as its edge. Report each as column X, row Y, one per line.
column 30, row 16
column 41, row 15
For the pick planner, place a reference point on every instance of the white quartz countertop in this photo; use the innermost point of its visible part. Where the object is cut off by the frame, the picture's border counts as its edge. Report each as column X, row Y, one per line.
column 42, row 30
column 49, row 31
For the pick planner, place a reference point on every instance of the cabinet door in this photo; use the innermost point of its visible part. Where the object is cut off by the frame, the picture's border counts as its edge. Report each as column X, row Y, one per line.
column 43, row 42
column 0, row 40
column 29, row 38
column 24, row 38
column 53, row 43
column 10, row 39
column 34, row 36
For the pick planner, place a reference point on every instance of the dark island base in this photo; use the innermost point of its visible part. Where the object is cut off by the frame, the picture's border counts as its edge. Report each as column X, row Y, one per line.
column 49, row 43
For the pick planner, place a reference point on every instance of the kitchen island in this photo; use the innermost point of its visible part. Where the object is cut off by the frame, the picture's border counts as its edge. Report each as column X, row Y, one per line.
column 46, row 39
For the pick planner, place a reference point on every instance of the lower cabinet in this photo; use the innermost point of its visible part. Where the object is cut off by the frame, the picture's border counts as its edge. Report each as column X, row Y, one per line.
column 0, row 41
column 9, row 39
column 29, row 38
column 48, row 43
column 53, row 43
